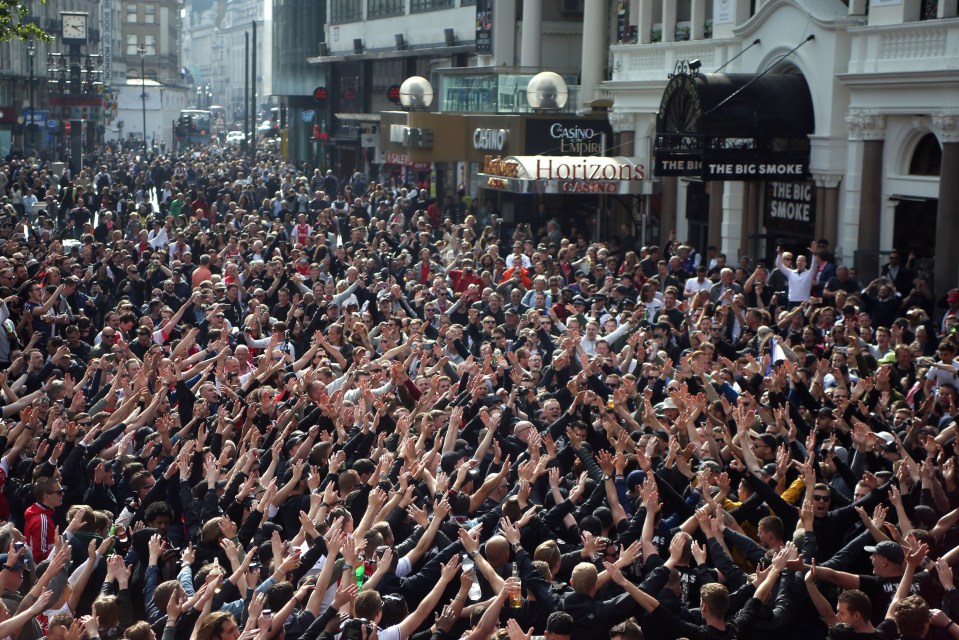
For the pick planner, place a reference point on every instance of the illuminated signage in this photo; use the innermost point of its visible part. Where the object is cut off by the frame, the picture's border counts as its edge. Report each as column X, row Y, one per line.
column 500, row 167
column 558, row 169
column 490, row 139
column 570, row 186
column 567, row 136
column 758, row 169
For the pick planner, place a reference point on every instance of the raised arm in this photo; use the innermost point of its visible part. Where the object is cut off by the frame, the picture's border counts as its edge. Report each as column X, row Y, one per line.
column 823, row 608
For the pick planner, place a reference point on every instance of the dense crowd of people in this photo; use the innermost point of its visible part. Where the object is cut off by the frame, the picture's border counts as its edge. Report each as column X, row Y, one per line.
column 245, row 400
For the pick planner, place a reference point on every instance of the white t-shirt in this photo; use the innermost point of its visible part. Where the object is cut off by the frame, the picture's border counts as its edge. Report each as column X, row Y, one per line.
column 941, row 376
column 693, row 286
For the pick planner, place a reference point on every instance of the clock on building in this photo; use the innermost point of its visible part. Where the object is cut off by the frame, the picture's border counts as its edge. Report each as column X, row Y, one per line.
column 74, row 28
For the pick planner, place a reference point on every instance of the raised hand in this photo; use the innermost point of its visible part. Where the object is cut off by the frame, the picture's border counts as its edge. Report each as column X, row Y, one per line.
column 945, row 574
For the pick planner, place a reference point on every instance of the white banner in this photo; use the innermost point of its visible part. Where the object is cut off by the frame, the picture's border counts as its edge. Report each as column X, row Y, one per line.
column 106, row 43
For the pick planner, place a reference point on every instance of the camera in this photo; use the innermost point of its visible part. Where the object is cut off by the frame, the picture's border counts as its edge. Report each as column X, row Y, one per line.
column 356, row 629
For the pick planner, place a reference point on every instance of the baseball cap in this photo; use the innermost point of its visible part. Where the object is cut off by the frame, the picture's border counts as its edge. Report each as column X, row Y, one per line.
column 889, row 358
column 887, row 441
column 635, row 477
column 889, row 550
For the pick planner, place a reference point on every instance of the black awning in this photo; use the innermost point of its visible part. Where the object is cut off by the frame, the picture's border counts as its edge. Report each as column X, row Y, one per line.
column 732, row 118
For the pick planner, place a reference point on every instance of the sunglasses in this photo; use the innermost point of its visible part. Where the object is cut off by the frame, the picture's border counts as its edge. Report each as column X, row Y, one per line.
column 821, row 498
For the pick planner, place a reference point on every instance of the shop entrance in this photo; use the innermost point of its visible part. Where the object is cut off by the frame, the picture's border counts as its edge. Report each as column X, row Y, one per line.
column 914, row 228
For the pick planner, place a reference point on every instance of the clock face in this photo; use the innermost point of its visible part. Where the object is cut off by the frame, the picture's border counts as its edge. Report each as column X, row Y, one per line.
column 75, row 27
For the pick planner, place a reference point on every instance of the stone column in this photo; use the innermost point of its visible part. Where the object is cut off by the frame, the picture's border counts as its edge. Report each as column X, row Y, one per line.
column 644, row 20
column 750, row 224
column 714, row 233
column 667, row 204
column 531, row 48
column 946, row 126
column 732, row 227
column 697, row 28
column 594, row 50
column 504, row 35
column 827, row 207
column 867, row 130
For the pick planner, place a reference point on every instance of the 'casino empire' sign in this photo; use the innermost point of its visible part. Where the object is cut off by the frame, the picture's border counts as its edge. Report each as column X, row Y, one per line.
column 567, row 137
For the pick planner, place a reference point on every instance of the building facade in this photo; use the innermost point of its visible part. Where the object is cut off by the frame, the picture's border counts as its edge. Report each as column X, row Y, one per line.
column 18, row 93
column 477, row 55
column 214, row 46
column 155, row 26
column 882, row 83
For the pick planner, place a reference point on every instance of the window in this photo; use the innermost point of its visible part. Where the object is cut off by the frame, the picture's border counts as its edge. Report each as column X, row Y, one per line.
column 385, row 73
column 927, row 158
column 384, row 8
column 345, row 11
column 150, row 44
column 149, row 14
column 131, row 13
column 132, row 45
column 431, row 5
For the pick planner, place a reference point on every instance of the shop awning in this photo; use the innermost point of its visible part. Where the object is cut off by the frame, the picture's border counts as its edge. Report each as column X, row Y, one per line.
column 565, row 174
column 734, row 127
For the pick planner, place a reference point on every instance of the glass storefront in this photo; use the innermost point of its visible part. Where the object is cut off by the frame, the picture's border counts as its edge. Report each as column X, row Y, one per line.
column 492, row 93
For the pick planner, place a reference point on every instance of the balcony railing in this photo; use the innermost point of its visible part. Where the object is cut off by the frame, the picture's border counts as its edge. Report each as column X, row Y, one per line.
column 928, row 44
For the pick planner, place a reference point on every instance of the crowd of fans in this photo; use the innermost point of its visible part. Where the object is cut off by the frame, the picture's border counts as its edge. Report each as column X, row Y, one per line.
column 244, row 401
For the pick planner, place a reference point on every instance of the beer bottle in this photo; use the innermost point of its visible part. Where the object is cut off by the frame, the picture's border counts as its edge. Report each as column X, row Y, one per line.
column 516, row 596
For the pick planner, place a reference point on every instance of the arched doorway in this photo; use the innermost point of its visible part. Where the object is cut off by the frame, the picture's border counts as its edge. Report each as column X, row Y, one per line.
column 914, row 228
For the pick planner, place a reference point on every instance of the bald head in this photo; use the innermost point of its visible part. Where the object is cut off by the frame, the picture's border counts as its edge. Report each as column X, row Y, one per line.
column 497, row 551
column 523, row 429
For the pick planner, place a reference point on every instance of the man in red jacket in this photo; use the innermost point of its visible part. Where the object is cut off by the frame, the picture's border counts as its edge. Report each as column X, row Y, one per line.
column 464, row 276
column 39, row 527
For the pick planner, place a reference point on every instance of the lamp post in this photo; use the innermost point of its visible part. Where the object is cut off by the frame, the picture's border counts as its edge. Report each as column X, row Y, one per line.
column 416, row 94
column 142, row 51
column 31, row 52
column 547, row 91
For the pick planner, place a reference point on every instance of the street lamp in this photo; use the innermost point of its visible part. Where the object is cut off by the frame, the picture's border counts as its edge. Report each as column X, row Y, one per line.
column 416, row 94
column 31, row 52
column 547, row 91
column 142, row 51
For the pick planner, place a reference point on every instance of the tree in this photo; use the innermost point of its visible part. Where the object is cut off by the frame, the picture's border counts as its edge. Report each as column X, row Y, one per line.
column 15, row 22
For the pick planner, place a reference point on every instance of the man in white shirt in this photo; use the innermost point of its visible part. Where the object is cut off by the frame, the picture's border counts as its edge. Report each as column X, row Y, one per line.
column 945, row 370
column 697, row 284
column 802, row 278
